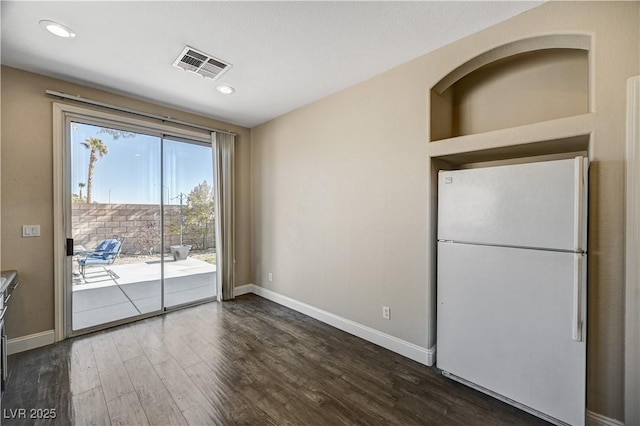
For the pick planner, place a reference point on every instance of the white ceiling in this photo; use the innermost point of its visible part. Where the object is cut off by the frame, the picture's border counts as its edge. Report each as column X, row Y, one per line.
column 284, row 54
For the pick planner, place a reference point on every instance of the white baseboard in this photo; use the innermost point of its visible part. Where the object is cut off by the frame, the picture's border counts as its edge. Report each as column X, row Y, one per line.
column 417, row 353
column 32, row 341
column 243, row 289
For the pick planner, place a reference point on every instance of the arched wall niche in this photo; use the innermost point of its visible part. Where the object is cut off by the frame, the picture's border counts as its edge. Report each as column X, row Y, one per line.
column 524, row 82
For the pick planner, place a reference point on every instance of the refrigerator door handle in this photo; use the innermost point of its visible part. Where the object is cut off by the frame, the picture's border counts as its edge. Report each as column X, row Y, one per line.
column 576, row 322
column 579, row 204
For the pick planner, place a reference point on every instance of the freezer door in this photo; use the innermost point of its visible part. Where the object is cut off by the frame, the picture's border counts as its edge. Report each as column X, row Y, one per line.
column 506, row 321
column 539, row 205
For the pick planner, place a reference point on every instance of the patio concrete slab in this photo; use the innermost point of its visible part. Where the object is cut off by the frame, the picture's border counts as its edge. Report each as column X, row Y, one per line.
column 148, row 304
column 178, row 290
column 151, row 304
column 174, row 284
column 123, row 291
column 141, row 290
column 104, row 314
column 186, row 295
column 93, row 306
column 85, row 300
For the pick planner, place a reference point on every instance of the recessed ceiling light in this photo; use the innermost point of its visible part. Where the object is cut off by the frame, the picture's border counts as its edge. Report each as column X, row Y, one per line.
column 57, row 29
column 227, row 90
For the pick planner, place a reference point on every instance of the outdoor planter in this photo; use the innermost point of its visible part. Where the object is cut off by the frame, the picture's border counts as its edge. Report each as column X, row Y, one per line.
column 180, row 252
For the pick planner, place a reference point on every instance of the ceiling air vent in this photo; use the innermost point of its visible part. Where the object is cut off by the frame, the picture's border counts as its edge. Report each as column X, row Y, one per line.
column 200, row 63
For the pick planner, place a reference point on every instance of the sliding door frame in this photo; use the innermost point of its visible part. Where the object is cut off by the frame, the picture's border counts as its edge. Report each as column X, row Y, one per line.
column 62, row 115
column 632, row 278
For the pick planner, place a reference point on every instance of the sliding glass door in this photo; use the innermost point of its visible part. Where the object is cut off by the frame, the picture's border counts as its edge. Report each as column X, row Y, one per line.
column 189, row 240
column 142, row 222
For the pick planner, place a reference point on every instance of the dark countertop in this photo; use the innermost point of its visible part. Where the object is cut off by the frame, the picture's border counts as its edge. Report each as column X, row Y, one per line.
column 8, row 279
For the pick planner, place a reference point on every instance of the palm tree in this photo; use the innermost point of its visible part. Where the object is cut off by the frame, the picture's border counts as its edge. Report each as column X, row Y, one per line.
column 81, row 185
column 98, row 148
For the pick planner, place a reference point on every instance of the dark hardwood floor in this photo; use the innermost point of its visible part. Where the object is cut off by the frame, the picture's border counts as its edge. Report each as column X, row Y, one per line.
column 249, row 361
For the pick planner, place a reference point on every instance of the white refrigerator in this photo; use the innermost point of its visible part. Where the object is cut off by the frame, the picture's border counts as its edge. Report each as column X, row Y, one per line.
column 511, row 289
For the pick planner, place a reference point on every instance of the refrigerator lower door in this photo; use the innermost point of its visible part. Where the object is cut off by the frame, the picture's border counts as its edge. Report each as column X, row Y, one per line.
column 506, row 322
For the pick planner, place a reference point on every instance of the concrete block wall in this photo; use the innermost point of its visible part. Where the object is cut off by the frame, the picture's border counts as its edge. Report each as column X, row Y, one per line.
column 139, row 224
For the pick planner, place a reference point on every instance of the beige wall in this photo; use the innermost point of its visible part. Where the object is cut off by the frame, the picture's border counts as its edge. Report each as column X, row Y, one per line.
column 27, row 191
column 340, row 190
column 531, row 88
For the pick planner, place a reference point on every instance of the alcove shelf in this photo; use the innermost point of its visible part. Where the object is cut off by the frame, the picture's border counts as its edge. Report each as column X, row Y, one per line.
column 554, row 137
column 535, row 80
column 527, row 98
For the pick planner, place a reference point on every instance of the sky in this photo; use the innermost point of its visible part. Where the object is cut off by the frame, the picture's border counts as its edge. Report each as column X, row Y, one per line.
column 130, row 172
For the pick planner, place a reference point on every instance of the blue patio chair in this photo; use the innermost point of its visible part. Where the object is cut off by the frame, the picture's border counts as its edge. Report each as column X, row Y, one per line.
column 104, row 254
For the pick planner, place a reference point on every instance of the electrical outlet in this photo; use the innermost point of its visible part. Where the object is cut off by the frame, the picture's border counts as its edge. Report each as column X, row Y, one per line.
column 386, row 312
column 270, row 276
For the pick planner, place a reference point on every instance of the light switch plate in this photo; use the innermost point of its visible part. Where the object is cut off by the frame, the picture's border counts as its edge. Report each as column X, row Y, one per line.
column 30, row 231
